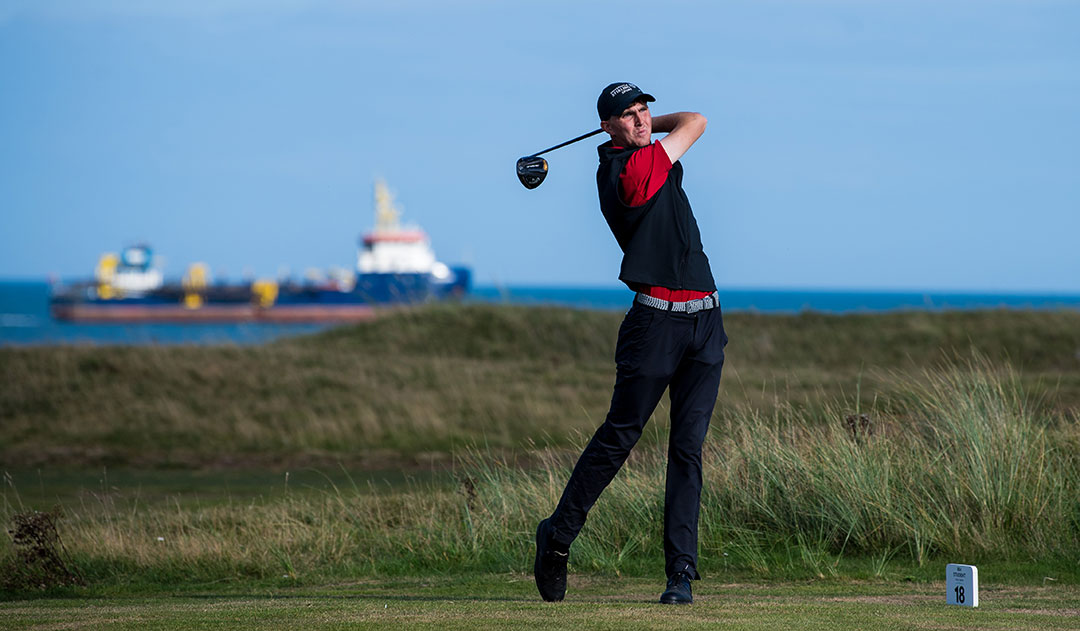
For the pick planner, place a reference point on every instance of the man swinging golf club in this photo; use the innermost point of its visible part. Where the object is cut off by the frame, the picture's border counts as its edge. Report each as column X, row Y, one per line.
column 671, row 338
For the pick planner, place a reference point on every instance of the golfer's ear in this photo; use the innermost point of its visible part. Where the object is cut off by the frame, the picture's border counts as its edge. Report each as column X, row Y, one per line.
column 606, row 126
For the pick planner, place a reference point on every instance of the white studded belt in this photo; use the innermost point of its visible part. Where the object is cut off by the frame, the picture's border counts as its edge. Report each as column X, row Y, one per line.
column 690, row 306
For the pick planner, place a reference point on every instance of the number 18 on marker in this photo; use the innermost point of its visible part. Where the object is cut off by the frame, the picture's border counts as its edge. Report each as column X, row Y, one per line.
column 962, row 585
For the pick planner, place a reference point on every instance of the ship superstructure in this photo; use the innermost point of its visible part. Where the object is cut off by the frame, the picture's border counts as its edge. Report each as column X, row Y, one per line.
column 134, row 272
column 392, row 249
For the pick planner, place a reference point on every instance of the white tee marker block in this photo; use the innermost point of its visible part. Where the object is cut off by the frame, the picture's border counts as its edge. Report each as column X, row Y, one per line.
column 962, row 585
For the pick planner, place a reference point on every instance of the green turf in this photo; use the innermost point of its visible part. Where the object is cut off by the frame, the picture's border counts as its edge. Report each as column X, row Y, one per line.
column 510, row 602
column 77, row 488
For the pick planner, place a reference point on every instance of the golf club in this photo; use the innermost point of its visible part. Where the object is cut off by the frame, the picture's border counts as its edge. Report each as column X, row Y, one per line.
column 532, row 170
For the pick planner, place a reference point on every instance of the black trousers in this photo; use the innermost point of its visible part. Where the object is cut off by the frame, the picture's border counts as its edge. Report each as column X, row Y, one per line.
column 656, row 350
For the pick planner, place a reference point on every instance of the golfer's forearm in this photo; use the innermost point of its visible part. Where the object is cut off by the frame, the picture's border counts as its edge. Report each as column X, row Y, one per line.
column 667, row 123
column 684, row 128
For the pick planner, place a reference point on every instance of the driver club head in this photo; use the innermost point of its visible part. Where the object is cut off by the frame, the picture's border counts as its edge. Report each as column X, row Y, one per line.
column 532, row 170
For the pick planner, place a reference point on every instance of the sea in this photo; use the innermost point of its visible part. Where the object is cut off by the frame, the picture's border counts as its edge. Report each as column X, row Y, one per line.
column 25, row 318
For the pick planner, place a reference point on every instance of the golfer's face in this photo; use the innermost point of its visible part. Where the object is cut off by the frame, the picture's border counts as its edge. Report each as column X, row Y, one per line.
column 632, row 128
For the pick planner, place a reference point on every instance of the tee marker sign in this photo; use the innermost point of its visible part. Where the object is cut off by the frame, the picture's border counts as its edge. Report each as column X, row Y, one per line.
column 962, row 585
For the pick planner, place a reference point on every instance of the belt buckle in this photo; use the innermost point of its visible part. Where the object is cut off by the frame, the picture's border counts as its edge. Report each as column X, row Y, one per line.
column 693, row 306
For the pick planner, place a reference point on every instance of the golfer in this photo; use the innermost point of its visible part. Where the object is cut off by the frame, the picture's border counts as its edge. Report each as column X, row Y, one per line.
column 671, row 338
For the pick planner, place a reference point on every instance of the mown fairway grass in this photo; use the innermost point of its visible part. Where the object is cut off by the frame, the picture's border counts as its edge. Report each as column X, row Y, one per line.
column 509, row 602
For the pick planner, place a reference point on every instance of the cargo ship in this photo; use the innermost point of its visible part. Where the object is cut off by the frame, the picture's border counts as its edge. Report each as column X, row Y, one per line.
column 395, row 266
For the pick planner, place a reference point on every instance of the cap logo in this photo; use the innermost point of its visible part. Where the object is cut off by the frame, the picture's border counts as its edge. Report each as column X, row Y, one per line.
column 622, row 89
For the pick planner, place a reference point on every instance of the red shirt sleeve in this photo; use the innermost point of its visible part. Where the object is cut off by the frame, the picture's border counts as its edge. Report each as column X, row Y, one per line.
column 645, row 172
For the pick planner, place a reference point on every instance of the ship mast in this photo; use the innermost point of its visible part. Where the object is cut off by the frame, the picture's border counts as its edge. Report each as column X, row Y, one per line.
column 387, row 213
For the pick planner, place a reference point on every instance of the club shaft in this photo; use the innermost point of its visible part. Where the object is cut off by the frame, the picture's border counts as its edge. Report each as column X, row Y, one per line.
column 568, row 142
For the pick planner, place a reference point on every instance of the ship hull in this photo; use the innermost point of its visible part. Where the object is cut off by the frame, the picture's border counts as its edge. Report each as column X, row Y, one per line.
column 211, row 314
column 294, row 303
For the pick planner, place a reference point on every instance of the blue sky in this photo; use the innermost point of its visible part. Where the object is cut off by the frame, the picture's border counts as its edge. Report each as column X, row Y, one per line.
column 851, row 144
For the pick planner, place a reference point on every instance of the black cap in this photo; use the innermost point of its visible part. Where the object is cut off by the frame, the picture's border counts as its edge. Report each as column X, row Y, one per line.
column 617, row 97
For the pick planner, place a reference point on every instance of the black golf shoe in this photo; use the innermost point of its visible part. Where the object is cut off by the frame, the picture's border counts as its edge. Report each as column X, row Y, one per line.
column 550, row 566
column 678, row 590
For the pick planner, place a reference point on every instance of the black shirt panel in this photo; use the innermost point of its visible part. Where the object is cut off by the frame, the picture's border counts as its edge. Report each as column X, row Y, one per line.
column 660, row 240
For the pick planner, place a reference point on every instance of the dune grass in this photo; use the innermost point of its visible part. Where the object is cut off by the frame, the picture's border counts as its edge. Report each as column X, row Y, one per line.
column 425, row 382
column 966, row 472
column 856, row 447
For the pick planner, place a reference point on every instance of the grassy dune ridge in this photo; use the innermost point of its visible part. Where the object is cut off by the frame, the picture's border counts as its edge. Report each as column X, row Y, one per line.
column 970, row 449
column 968, row 473
column 433, row 379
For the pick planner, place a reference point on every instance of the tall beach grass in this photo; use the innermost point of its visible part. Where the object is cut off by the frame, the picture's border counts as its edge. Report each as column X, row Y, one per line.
column 429, row 380
column 961, row 469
